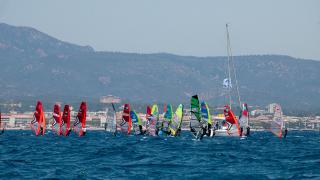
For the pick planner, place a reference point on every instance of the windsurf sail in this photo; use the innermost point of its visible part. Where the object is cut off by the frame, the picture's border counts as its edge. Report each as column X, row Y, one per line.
column 126, row 123
column 232, row 121
column 136, row 123
column 196, row 123
column 277, row 123
column 206, row 116
column 153, row 121
column 79, row 126
column 205, row 113
column 38, row 124
column 167, row 119
column 57, row 120
column 244, row 118
column 175, row 125
column 66, row 120
column 114, row 121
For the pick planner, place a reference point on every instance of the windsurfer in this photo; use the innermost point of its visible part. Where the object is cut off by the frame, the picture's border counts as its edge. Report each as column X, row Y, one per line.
column 241, row 131
column 285, row 133
column 217, row 125
column 84, row 131
column 248, row 131
column 142, row 132
column 41, row 130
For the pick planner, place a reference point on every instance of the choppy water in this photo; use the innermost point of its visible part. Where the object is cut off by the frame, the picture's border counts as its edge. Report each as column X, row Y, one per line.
column 102, row 156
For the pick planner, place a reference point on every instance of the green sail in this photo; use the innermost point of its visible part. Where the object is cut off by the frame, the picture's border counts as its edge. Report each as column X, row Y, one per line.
column 168, row 115
column 195, row 107
column 196, row 123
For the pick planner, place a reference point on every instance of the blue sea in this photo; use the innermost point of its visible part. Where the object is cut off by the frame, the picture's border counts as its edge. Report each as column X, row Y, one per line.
column 99, row 155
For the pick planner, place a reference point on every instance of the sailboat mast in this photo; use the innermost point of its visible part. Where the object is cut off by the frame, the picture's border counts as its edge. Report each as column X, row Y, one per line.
column 229, row 70
column 230, row 60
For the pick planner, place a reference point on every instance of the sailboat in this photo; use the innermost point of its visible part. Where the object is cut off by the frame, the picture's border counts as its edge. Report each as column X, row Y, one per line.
column 79, row 126
column 277, row 123
column 231, row 125
column 38, row 124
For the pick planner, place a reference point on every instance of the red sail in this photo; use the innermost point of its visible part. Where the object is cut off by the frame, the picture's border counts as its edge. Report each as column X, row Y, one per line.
column 126, row 117
column 229, row 115
column 38, row 124
column 148, row 113
column 245, row 111
column 57, row 122
column 80, row 123
column 66, row 120
column 231, row 118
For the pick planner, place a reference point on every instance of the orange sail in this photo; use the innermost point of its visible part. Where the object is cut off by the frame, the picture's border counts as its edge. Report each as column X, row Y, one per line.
column 231, row 119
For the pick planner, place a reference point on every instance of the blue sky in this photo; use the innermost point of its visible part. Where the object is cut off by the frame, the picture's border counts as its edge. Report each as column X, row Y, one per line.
column 184, row 27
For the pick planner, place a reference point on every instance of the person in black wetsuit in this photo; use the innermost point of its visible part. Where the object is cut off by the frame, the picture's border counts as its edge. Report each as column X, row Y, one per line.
column 209, row 130
column 248, row 131
column 142, row 132
column 217, row 125
column 241, row 131
column 285, row 133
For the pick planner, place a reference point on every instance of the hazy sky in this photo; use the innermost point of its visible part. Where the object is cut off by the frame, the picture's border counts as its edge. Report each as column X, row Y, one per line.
column 185, row 27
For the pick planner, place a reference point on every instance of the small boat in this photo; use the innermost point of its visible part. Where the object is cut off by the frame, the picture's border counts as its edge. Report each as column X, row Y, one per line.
column 232, row 126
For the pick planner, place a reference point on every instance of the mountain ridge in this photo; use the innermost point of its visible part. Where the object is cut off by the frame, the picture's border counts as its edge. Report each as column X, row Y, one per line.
column 66, row 72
